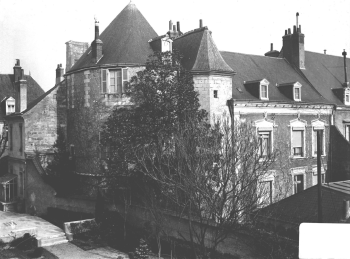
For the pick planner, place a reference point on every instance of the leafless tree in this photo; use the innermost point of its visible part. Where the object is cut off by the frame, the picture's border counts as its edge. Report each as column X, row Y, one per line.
column 211, row 175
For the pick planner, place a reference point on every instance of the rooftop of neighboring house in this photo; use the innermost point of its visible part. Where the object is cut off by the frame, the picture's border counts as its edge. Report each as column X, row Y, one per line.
column 252, row 69
column 303, row 206
column 125, row 41
column 7, row 89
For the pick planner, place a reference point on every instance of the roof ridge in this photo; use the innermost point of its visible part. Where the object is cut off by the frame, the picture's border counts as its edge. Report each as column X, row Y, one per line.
column 192, row 31
column 249, row 54
column 322, row 54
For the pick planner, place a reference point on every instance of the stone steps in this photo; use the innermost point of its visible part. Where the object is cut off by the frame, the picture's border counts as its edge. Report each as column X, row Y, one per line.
column 53, row 240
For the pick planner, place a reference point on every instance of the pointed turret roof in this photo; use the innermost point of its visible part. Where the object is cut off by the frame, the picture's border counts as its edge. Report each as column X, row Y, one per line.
column 200, row 53
column 125, row 40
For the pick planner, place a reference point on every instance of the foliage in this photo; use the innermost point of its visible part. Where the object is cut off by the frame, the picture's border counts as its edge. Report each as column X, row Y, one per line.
column 211, row 175
column 59, row 169
column 3, row 139
column 142, row 252
column 163, row 95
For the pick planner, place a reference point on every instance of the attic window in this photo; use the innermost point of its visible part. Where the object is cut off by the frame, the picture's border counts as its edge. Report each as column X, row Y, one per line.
column 297, row 93
column 264, row 92
column 347, row 96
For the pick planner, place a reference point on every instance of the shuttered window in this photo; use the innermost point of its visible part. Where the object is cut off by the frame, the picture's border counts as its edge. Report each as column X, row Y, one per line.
column 104, row 81
column 297, row 142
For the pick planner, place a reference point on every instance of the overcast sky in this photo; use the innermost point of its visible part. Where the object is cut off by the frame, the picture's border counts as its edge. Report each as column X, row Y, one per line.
column 35, row 31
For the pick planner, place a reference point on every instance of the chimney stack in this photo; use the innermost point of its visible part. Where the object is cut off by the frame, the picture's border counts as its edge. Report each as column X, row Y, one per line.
column 200, row 23
column 293, row 46
column 59, row 73
column 178, row 26
column 17, row 71
column 96, row 45
column 345, row 210
column 346, row 83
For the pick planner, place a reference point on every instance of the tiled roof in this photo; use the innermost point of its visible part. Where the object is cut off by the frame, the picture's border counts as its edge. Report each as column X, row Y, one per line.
column 200, row 52
column 303, row 206
column 325, row 72
column 275, row 70
column 125, row 40
column 7, row 89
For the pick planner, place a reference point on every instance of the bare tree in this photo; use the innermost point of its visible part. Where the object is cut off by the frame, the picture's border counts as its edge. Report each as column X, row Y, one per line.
column 3, row 140
column 211, row 175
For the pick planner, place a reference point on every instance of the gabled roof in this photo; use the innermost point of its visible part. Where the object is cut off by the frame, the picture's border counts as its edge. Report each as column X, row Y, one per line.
column 7, row 89
column 200, row 52
column 125, row 41
column 325, row 72
column 303, row 206
column 275, row 70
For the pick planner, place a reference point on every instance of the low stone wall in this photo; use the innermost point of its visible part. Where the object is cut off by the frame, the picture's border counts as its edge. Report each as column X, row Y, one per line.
column 75, row 227
column 8, row 234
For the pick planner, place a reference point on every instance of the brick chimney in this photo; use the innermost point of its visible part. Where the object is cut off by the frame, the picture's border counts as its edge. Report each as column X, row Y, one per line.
column 17, row 71
column 96, row 45
column 293, row 46
column 59, row 73
column 21, row 93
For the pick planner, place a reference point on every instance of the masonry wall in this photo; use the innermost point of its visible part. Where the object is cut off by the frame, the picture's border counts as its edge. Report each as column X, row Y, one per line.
column 206, row 85
column 87, row 109
column 44, row 119
column 74, row 50
column 287, row 165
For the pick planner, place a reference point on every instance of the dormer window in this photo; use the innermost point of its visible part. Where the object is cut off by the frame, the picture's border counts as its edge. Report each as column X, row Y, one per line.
column 10, row 105
column 263, row 92
column 291, row 90
column 347, row 96
column 258, row 88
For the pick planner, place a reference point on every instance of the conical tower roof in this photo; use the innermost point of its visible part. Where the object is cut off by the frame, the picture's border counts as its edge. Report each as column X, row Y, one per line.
column 125, row 41
column 200, row 53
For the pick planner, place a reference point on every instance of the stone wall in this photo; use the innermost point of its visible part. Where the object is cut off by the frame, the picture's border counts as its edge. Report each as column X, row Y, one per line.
column 43, row 120
column 206, row 85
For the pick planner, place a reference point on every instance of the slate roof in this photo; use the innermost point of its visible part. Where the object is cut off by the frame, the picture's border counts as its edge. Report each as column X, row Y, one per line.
column 275, row 70
column 325, row 72
column 125, row 41
column 7, row 89
column 200, row 52
column 303, row 206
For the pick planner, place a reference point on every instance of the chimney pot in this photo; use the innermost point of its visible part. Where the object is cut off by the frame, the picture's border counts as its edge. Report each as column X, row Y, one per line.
column 346, row 84
column 294, row 29
column 325, row 51
column 170, row 25
column 59, row 73
column 174, row 27
column 271, row 46
column 289, row 31
column 200, row 23
column 18, row 62
column 178, row 26
column 285, row 32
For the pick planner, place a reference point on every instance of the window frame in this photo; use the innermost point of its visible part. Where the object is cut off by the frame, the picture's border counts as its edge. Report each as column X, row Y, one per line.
column 262, row 85
column 346, row 94
column 105, row 84
column 347, row 131
column 268, row 178
column 295, row 87
column 298, row 171
column 298, row 125
column 269, row 143
column 314, row 174
column 318, row 125
column 265, row 125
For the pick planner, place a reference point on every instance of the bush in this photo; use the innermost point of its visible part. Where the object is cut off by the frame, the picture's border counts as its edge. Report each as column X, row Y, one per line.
column 27, row 242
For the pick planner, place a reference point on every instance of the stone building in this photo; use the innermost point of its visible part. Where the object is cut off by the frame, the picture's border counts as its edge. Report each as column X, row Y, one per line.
column 16, row 91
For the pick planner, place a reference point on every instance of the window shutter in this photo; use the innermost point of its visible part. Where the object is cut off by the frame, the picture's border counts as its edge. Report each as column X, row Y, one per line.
column 104, row 81
column 297, row 138
column 125, row 78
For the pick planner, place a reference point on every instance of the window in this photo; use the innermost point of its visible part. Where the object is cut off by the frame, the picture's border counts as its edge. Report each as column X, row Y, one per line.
column 298, row 183
column 215, row 93
column 297, row 143
column 10, row 105
column 347, row 132
column 263, row 92
column 297, row 94
column 114, row 81
column 314, row 143
column 266, row 193
column 264, row 143
column 347, row 98
column 314, row 174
